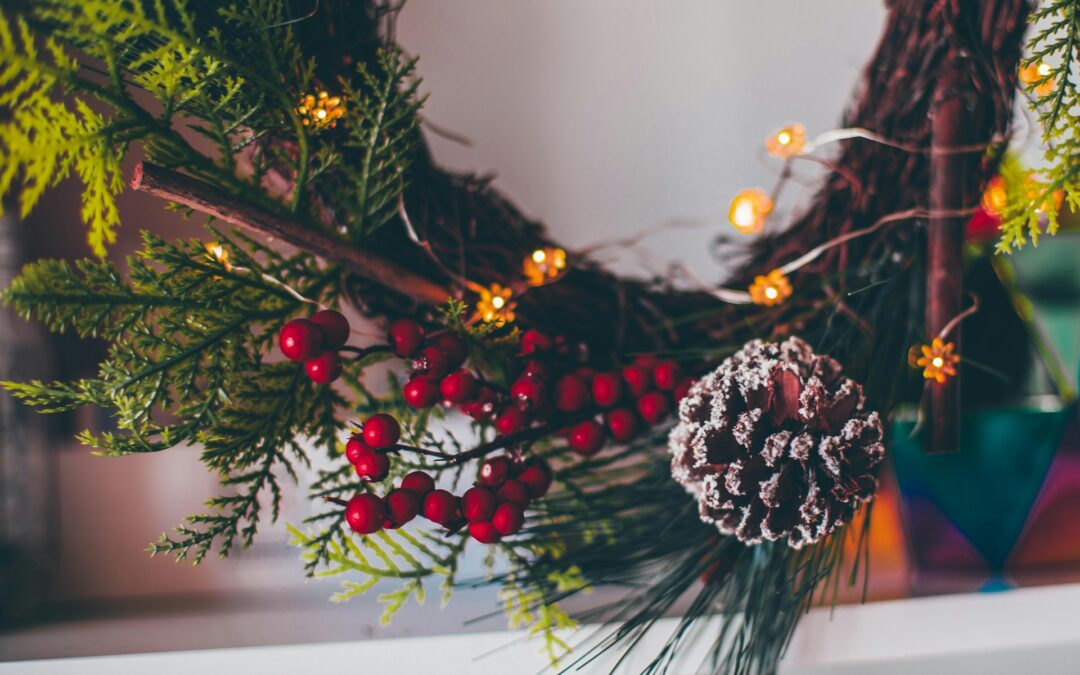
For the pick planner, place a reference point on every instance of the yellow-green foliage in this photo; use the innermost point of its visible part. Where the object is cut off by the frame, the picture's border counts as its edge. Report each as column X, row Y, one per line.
column 61, row 116
column 47, row 137
column 1057, row 44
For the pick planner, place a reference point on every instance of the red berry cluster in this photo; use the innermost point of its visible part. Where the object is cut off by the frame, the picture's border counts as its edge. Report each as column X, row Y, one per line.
column 643, row 394
column 315, row 341
column 546, row 387
column 493, row 508
column 549, row 386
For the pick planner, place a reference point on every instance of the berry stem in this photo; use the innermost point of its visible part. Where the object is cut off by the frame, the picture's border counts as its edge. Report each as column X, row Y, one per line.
column 499, row 443
column 524, row 436
column 335, row 500
column 400, row 447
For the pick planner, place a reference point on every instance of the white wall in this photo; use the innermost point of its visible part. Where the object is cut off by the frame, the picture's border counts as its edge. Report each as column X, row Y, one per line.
column 603, row 117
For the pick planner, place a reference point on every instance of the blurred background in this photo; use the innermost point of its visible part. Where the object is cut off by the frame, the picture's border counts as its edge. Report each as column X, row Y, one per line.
column 602, row 119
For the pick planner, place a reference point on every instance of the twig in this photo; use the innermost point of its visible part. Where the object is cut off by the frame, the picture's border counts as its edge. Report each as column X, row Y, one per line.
column 182, row 189
column 525, row 436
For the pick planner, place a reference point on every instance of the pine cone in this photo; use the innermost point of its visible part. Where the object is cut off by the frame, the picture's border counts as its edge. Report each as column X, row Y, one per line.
column 775, row 444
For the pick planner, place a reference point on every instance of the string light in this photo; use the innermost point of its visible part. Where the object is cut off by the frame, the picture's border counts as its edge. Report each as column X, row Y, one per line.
column 1042, row 202
column 321, row 110
column 749, row 210
column 787, row 142
column 937, row 360
column 770, row 289
column 496, row 305
column 995, row 197
column 1038, row 73
column 220, row 254
column 544, row 265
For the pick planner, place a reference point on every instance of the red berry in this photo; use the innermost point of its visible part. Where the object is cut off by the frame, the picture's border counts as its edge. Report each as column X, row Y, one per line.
column 508, row 519
column 586, row 438
column 355, row 448
column 514, row 492
column 536, row 477
column 372, row 466
column 441, row 507
column 420, row 391
column 607, row 389
column 528, row 392
column 533, row 341
column 432, row 361
column 324, row 368
column 653, row 407
column 683, row 388
column 381, row 431
column 638, row 380
column 535, row 368
column 453, row 346
column 405, row 337
column 365, row 513
column 300, row 340
column 419, row 483
column 622, row 423
column 495, row 470
column 402, row 505
column 334, row 327
column 483, row 532
column 510, row 421
column 571, row 393
column 666, row 375
column 458, row 387
column 482, row 407
column 477, row 504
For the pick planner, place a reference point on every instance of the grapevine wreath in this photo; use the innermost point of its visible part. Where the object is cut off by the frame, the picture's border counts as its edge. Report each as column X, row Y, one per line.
column 711, row 439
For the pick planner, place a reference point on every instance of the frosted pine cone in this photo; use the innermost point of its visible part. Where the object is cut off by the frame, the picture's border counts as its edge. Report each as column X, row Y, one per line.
column 775, row 444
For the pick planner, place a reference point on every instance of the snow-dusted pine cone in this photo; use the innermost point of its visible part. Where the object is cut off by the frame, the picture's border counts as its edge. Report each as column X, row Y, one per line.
column 775, row 444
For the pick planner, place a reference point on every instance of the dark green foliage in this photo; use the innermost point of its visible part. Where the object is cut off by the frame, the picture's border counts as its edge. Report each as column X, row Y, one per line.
column 382, row 132
column 187, row 334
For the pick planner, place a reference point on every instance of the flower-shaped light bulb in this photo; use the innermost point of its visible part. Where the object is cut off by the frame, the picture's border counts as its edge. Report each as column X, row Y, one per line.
column 749, row 210
column 787, row 142
column 770, row 289
column 544, row 265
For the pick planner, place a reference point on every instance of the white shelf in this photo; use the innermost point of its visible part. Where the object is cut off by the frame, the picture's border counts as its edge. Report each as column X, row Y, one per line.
column 1021, row 631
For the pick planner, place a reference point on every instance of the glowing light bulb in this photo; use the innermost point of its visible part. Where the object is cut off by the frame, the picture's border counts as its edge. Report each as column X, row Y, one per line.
column 1037, row 76
column 995, row 197
column 495, row 305
column 749, row 210
column 544, row 265
column 770, row 289
column 219, row 254
column 320, row 110
column 787, row 142
column 937, row 360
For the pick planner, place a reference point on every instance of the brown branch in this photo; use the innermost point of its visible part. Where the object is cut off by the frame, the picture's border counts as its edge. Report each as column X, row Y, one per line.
column 953, row 182
column 182, row 189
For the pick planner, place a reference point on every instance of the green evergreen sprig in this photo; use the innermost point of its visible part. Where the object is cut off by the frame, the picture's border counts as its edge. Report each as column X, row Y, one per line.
column 188, row 331
column 382, row 123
